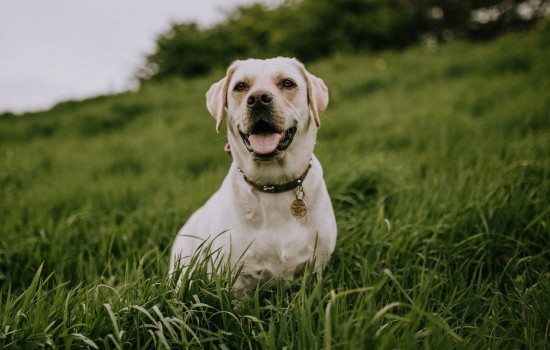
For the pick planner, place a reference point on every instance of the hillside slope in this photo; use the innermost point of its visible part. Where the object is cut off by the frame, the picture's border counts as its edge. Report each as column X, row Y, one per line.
column 437, row 163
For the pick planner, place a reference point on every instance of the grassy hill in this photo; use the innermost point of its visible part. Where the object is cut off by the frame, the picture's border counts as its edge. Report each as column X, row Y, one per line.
column 437, row 161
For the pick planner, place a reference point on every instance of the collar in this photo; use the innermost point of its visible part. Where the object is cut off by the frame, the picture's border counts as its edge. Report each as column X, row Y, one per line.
column 268, row 188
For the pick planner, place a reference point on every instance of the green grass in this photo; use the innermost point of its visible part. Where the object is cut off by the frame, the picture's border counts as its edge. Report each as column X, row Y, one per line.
column 437, row 161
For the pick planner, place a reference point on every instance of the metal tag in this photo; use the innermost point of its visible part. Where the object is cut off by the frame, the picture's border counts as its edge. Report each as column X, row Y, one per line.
column 298, row 208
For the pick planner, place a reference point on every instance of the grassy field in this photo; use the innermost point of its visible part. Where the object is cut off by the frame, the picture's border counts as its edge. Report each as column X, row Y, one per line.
column 438, row 164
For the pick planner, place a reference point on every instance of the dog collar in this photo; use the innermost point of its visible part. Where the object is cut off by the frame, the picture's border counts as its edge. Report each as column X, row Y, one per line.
column 268, row 188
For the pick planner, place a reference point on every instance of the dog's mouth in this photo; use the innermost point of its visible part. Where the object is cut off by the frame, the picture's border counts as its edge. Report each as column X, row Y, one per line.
column 266, row 142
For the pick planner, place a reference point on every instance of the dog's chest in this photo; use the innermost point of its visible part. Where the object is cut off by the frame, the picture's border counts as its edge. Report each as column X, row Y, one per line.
column 268, row 240
column 268, row 211
column 278, row 253
column 276, row 258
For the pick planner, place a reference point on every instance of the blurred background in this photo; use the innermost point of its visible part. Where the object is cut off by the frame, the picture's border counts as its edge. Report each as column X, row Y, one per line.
column 313, row 29
column 59, row 50
column 56, row 50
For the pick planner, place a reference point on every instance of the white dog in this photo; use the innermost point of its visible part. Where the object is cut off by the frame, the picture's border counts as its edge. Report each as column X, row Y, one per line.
column 272, row 213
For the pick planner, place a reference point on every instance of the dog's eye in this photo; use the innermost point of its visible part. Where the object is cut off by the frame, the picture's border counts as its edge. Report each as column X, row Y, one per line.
column 287, row 83
column 240, row 86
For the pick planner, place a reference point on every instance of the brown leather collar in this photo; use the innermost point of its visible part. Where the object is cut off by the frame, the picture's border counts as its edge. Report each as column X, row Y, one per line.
column 277, row 188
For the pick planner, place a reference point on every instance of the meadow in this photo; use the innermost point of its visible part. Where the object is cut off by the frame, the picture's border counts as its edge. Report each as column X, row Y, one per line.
column 437, row 162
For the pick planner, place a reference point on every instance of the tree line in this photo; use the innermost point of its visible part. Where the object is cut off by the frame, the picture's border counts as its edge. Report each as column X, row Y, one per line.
column 312, row 29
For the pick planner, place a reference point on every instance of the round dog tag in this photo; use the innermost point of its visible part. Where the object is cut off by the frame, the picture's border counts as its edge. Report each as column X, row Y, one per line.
column 298, row 208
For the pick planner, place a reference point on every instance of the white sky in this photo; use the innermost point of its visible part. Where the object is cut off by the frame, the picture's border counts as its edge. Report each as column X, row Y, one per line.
column 55, row 50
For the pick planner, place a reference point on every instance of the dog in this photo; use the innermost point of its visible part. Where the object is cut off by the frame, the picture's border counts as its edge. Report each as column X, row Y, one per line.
column 272, row 214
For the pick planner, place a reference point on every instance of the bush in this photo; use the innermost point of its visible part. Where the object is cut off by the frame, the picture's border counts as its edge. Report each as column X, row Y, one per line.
column 312, row 29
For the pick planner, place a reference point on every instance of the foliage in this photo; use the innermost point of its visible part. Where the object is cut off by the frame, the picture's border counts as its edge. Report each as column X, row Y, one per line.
column 312, row 29
column 437, row 164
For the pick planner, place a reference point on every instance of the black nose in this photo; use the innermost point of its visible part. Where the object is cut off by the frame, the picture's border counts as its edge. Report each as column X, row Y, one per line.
column 259, row 98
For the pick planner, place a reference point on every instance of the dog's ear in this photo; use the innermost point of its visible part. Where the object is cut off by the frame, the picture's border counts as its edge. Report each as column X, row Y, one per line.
column 216, row 97
column 317, row 94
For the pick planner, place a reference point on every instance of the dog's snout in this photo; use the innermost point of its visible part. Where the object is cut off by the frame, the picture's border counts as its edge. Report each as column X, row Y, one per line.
column 260, row 98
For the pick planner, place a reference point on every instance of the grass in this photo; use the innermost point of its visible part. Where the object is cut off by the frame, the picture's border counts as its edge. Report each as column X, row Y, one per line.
column 437, row 163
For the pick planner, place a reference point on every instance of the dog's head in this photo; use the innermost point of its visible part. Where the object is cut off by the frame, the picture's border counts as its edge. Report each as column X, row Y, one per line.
column 272, row 105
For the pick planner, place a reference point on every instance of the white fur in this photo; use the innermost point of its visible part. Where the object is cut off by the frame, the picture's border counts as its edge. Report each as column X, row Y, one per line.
column 254, row 228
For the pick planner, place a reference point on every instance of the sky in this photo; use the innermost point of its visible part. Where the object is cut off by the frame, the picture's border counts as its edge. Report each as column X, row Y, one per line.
column 57, row 50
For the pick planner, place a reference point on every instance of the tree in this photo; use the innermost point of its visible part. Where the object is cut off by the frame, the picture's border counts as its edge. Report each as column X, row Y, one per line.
column 312, row 29
column 179, row 51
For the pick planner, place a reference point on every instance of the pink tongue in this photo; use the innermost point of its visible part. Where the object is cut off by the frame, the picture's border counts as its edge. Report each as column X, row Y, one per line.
column 264, row 143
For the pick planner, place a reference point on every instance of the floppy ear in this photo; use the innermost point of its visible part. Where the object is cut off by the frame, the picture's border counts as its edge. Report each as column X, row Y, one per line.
column 216, row 97
column 317, row 94
column 216, row 100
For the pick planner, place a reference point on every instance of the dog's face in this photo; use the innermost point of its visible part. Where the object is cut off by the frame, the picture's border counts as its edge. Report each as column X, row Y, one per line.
column 268, row 102
column 272, row 106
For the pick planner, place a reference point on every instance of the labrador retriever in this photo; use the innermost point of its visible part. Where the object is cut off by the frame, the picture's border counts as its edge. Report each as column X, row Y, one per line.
column 272, row 214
